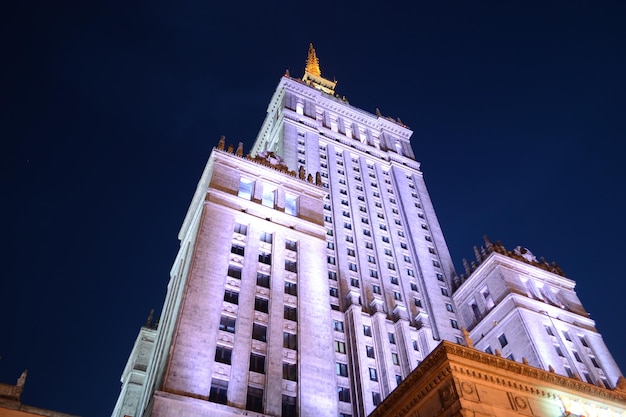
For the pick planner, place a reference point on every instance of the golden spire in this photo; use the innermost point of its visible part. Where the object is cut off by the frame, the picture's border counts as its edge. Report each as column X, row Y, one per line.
column 313, row 74
column 312, row 63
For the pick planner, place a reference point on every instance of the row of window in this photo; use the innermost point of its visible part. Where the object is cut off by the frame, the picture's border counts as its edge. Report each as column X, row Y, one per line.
column 254, row 400
column 268, row 197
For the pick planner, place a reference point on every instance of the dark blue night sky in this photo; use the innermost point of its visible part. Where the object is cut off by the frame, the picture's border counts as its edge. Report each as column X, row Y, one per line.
column 110, row 110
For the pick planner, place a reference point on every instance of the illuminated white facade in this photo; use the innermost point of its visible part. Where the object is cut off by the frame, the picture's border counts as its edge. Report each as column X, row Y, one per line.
column 526, row 310
column 313, row 275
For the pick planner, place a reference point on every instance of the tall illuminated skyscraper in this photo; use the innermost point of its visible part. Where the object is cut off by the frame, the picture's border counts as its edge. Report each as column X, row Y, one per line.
column 312, row 276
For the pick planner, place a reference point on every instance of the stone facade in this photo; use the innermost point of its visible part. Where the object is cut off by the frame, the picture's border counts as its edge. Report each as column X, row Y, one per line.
column 458, row 381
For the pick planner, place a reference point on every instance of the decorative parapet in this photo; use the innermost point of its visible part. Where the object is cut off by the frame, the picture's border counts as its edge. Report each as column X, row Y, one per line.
column 271, row 160
column 519, row 253
column 450, row 360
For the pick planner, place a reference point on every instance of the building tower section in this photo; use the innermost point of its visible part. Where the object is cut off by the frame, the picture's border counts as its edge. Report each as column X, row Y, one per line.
column 240, row 328
column 389, row 269
column 526, row 310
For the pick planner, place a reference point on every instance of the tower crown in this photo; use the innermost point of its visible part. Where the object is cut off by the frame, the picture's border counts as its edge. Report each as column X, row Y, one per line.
column 313, row 74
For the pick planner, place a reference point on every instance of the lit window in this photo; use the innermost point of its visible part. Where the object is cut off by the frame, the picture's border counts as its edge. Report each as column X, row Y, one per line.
column 246, row 188
column 338, row 325
column 341, row 369
column 340, row 347
column 269, row 196
column 291, row 204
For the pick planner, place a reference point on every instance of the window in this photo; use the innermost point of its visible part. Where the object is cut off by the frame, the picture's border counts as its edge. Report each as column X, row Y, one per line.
column 373, row 374
column 290, row 340
column 237, row 249
column 567, row 336
column 392, row 338
column 330, row 245
column 432, row 250
column 341, row 369
column 394, row 359
column 367, row 331
column 240, row 229
column 444, row 291
column 376, row 398
column 352, row 266
column 350, row 252
column 414, row 286
column 394, row 280
column 265, row 258
column 354, row 282
column 332, row 275
column 428, row 238
column 291, row 204
column 344, row 394
column 347, row 226
column 223, row 354
column 549, row 330
column 257, row 363
column 254, row 400
column 371, row 259
column 349, row 238
column 436, row 264
column 559, row 351
column 334, row 292
column 366, row 232
column 328, row 219
column 577, row 356
column 262, row 280
column 292, row 246
column 391, row 266
column 594, row 361
column 502, row 340
column 439, row 277
column 398, row 379
column 417, row 302
column 261, row 304
column 246, row 188
column 382, row 227
column 330, row 260
column 489, row 350
column 218, row 393
column 369, row 245
column 415, row 346
column 259, row 332
column 338, row 325
column 511, row 357
column 346, row 213
column 454, row 324
column 234, row 271
column 583, row 341
column 291, row 288
column 340, row 347
column 397, row 296
column 291, row 313
column 376, row 289
column 449, row 307
column 289, row 408
column 369, row 350
column 291, row 266
column 269, row 195
column 227, row 324
column 569, row 372
column 290, row 371
column 231, row 296
column 487, row 296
